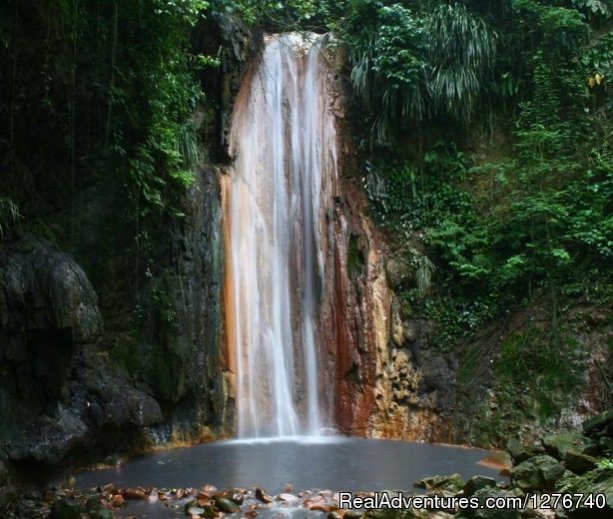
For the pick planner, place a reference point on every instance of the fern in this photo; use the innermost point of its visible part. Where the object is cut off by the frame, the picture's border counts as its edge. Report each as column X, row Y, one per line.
column 461, row 48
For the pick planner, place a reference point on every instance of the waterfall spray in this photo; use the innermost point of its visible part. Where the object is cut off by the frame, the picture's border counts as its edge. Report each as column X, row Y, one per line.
column 276, row 198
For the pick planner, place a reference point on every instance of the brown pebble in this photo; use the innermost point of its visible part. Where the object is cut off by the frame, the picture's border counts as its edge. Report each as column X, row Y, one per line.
column 134, row 493
column 262, row 496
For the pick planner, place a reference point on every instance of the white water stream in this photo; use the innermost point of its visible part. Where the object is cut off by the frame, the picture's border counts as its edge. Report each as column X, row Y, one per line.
column 276, row 198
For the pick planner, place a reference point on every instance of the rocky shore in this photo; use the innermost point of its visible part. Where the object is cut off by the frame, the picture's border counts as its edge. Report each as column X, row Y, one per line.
column 571, row 463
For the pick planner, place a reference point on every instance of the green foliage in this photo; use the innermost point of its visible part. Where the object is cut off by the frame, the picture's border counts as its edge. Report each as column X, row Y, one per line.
column 595, row 7
column 558, row 28
column 461, row 48
column 163, row 306
column 388, row 70
column 277, row 15
column 597, row 60
column 187, row 11
column 530, row 221
column 166, row 151
column 529, row 365
column 109, row 86
column 605, row 464
column 407, row 65
column 408, row 197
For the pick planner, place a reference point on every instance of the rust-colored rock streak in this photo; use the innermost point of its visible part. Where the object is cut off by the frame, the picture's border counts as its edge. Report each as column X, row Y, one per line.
column 314, row 334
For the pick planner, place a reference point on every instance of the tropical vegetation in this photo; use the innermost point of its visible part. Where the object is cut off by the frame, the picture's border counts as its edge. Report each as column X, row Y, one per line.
column 488, row 134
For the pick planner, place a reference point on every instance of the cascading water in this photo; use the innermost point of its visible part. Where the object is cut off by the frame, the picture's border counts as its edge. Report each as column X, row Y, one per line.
column 276, row 198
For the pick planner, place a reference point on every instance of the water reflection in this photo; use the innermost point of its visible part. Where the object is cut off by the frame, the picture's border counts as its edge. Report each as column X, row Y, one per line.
column 333, row 463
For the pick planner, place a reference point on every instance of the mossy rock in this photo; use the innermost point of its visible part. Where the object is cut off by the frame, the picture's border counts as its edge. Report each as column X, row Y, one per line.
column 453, row 483
column 599, row 481
column 226, row 505
column 517, row 450
column 398, row 271
column 557, row 445
column 537, row 473
column 598, row 423
column 477, row 483
column 579, row 463
column 484, row 513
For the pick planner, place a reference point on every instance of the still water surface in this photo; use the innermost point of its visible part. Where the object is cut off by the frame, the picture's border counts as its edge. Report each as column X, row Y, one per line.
column 309, row 463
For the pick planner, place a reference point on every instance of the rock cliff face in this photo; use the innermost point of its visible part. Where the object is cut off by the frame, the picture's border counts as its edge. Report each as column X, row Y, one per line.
column 177, row 351
column 74, row 390
column 388, row 382
column 57, row 391
column 68, row 385
column 380, row 376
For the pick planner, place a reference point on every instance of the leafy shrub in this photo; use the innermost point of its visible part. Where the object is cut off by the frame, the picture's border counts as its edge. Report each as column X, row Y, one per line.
column 407, row 66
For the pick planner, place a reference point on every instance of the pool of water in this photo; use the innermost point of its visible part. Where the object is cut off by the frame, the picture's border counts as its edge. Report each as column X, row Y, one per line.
column 338, row 464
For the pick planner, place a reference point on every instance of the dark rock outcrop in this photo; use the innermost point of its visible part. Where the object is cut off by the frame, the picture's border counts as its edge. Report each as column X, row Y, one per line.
column 42, row 289
column 179, row 344
column 59, row 392
column 539, row 472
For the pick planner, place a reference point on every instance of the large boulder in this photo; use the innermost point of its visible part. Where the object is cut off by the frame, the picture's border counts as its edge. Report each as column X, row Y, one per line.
column 42, row 288
column 517, row 450
column 601, row 424
column 59, row 390
column 477, row 483
column 102, row 398
column 48, row 440
column 557, row 445
column 488, row 513
column 537, row 473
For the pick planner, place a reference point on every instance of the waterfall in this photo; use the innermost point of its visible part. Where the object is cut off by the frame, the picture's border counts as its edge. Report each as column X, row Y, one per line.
column 276, row 203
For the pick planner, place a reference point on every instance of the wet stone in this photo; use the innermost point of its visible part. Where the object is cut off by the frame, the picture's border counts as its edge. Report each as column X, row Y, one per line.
column 477, row 483
column 262, row 496
column 227, row 506
column 579, row 463
column 194, row 510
